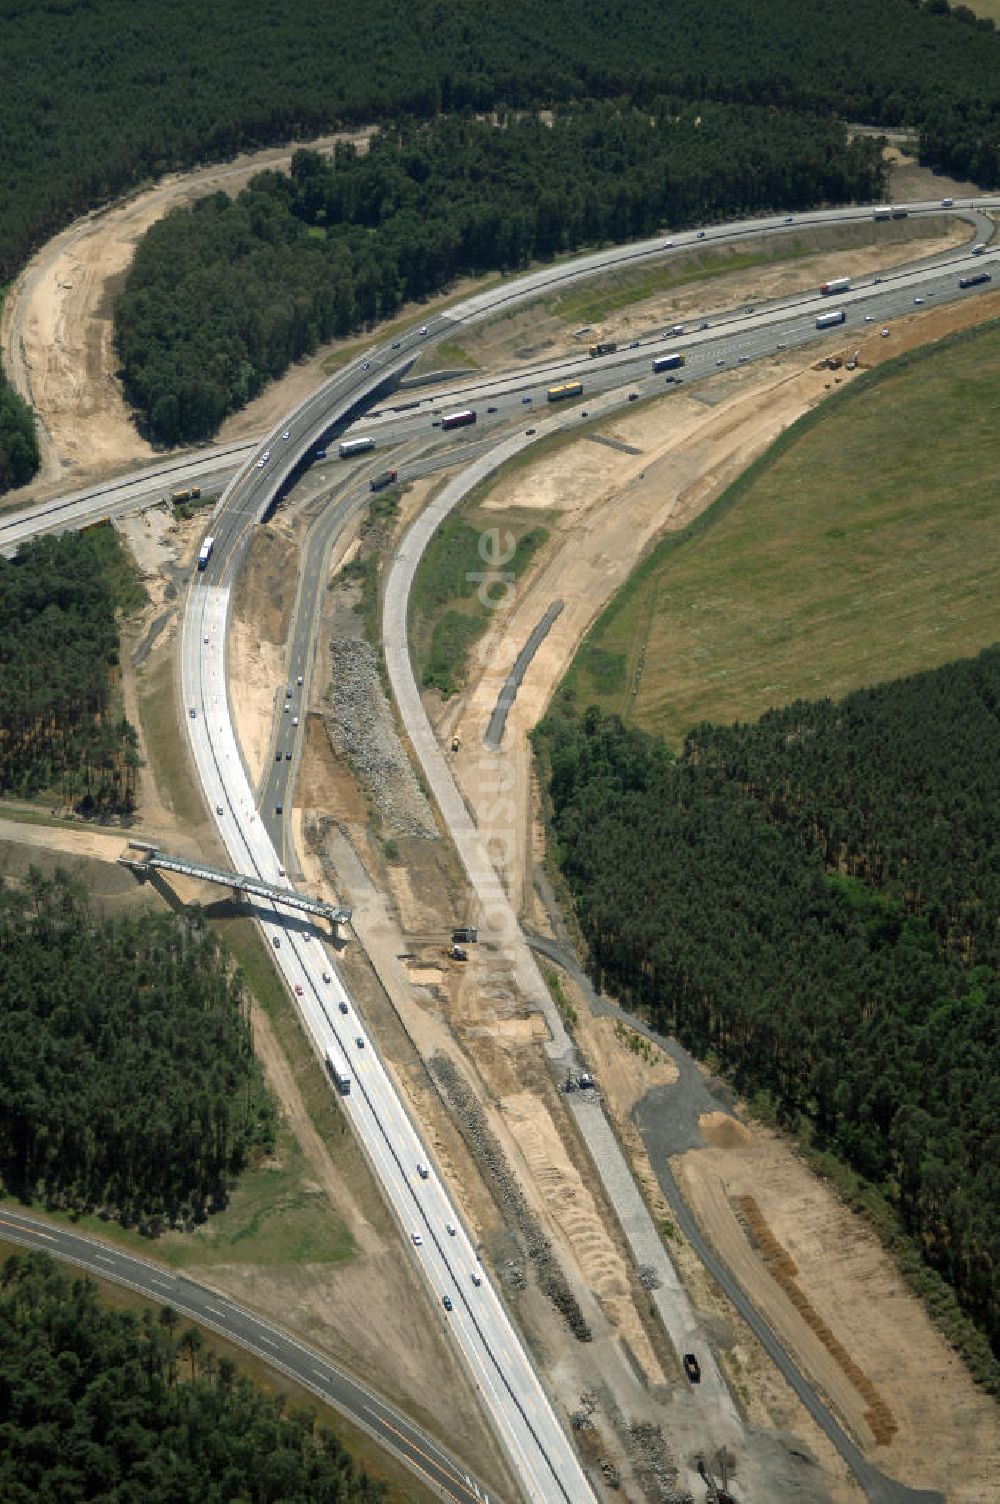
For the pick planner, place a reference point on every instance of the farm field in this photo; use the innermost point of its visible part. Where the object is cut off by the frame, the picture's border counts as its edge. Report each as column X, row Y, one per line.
column 862, row 546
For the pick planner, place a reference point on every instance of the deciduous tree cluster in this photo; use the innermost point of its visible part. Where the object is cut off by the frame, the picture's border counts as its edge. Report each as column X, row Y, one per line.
column 128, row 1082
column 814, row 899
column 105, row 1406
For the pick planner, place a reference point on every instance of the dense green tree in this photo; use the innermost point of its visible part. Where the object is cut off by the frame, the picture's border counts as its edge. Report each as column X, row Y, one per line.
column 94, row 1408
column 61, row 729
column 89, row 105
column 128, row 1080
column 814, row 899
column 222, row 297
column 19, row 456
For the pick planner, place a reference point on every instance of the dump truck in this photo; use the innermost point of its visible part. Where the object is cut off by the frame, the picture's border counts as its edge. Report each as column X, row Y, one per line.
column 603, row 347
column 189, row 493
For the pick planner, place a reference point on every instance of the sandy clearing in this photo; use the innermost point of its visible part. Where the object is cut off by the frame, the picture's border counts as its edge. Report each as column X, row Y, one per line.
column 706, row 1196
column 575, row 1213
column 83, row 842
column 852, row 1283
column 603, row 515
column 56, row 330
column 252, row 690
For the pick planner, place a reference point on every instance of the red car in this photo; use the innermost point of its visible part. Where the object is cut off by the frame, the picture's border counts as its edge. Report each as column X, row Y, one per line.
column 298, row 990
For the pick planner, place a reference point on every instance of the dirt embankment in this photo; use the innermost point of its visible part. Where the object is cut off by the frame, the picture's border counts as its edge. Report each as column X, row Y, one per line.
column 56, row 331
column 919, row 1417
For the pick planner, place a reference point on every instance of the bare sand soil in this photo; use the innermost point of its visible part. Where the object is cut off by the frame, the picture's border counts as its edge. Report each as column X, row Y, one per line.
column 56, row 331
column 947, row 1435
column 603, row 508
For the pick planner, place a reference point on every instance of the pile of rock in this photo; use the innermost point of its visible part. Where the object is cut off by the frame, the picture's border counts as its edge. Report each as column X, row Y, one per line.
column 364, row 733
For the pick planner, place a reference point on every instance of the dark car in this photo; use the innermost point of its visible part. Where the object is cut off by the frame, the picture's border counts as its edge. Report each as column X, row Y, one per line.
column 446, row 1302
column 491, row 409
column 692, row 1368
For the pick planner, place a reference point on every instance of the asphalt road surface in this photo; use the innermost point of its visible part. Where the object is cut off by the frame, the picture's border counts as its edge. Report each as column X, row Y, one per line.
column 787, row 322
column 541, row 1452
column 391, row 1429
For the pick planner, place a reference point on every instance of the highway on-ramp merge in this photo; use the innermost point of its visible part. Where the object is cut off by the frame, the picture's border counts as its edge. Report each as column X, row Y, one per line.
column 543, row 1457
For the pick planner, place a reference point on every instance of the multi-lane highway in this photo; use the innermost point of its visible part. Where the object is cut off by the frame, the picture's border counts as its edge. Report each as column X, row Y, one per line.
column 730, row 337
column 542, row 1455
column 420, row 1453
column 468, row 1305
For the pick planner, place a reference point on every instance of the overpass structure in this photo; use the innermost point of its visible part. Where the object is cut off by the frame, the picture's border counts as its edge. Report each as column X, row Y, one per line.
column 238, row 882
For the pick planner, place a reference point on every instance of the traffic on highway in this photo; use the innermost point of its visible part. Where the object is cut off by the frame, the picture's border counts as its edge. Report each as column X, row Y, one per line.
column 252, row 824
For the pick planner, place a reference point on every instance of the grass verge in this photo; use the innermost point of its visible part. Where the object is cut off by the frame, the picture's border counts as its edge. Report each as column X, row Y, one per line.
column 464, row 576
column 859, row 548
column 164, row 746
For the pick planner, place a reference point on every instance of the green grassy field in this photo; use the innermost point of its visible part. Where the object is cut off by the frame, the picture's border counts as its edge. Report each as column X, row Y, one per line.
column 462, row 578
column 272, row 1219
column 593, row 301
column 862, row 546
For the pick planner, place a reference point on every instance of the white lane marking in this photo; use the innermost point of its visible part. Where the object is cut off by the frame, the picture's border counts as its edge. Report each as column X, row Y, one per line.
column 103, row 1258
column 160, row 1282
column 324, row 1376
column 268, row 1340
column 215, row 1311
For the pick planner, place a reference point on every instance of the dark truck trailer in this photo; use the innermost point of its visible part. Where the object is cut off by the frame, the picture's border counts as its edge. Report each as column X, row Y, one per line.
column 976, row 280
column 379, row 482
column 604, row 347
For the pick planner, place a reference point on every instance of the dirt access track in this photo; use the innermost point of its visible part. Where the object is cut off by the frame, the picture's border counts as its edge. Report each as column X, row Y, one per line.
column 56, row 330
